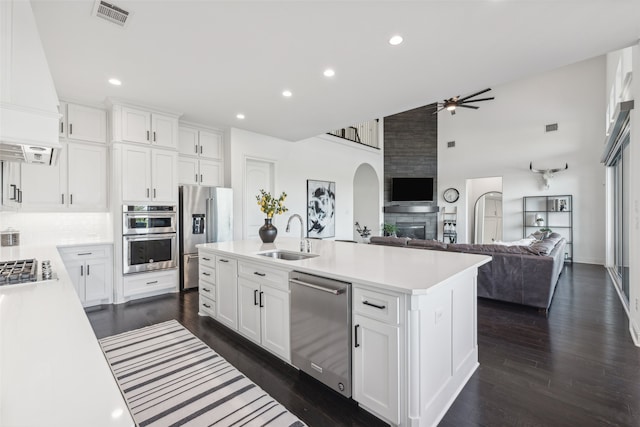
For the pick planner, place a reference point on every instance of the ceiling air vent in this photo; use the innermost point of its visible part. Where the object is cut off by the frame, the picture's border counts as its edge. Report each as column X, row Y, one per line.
column 111, row 13
column 551, row 128
column 451, row 144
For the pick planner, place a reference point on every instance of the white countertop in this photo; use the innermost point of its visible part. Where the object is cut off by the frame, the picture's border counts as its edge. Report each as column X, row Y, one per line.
column 407, row 270
column 52, row 371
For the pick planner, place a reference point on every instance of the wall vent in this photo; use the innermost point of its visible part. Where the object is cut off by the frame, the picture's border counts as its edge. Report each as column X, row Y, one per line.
column 111, row 13
column 451, row 144
column 551, row 128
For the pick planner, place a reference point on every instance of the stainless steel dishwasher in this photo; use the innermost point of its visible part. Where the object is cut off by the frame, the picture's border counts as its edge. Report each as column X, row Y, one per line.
column 321, row 329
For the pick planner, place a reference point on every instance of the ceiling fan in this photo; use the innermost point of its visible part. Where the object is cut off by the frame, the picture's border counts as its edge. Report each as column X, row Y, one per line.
column 452, row 103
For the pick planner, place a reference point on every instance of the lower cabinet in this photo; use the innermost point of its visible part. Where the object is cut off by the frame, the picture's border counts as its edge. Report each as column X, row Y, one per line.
column 263, row 316
column 227, row 291
column 152, row 283
column 91, row 272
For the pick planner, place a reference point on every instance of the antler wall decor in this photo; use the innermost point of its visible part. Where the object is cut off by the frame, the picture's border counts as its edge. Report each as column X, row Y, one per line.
column 547, row 174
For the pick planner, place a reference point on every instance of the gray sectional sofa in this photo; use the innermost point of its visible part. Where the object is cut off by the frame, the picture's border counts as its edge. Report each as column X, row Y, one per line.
column 520, row 274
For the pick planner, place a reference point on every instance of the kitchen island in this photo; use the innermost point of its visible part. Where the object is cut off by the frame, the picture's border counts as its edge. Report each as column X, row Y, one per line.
column 413, row 315
column 52, row 371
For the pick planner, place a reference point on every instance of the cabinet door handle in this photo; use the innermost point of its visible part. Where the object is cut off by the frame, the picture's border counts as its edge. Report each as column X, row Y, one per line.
column 200, row 177
column 70, row 199
column 261, row 302
column 19, row 196
column 223, row 260
column 154, row 136
column 204, row 273
column 152, row 283
column 88, row 269
column 355, row 334
column 15, row 192
column 70, row 128
column 61, row 127
column 147, row 193
column 62, row 202
column 196, row 177
column 257, row 273
column 147, row 135
column 206, row 290
column 82, row 270
column 206, row 305
column 196, row 148
column 154, row 193
column 370, row 304
column 255, row 297
column 200, row 149
column 206, row 259
column 85, row 253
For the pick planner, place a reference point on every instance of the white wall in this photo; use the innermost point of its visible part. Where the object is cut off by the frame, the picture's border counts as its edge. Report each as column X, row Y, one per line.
column 504, row 135
column 634, row 206
column 320, row 158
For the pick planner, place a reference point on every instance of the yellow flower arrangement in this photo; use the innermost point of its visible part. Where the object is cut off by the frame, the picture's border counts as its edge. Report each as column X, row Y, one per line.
column 270, row 205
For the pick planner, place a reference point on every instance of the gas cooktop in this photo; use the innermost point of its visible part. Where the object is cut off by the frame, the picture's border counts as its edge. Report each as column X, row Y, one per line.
column 23, row 271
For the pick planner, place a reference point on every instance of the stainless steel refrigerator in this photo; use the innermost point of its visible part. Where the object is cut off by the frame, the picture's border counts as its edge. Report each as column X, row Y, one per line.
column 206, row 215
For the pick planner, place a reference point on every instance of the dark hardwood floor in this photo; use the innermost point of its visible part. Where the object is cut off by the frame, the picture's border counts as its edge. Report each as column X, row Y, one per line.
column 575, row 367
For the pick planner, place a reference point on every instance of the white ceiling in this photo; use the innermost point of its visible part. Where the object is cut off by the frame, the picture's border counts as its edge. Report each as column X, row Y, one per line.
column 213, row 59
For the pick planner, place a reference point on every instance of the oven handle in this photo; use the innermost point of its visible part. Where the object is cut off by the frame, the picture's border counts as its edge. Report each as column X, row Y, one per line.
column 317, row 287
column 158, row 236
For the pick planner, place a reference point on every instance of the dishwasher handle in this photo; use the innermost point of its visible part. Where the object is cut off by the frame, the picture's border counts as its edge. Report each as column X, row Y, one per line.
column 318, row 287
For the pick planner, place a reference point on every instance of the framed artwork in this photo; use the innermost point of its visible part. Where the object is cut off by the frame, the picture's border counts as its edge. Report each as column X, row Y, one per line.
column 321, row 208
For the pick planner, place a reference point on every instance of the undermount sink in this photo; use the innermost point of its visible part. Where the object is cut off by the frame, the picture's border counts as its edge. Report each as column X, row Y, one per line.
column 287, row 255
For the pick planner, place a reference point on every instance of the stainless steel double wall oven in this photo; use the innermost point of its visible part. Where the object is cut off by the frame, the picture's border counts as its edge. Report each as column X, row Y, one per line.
column 149, row 238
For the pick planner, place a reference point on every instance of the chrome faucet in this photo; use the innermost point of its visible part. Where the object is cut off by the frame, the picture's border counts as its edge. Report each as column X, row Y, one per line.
column 302, row 240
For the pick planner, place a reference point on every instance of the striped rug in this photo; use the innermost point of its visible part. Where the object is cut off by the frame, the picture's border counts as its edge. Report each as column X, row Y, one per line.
column 171, row 378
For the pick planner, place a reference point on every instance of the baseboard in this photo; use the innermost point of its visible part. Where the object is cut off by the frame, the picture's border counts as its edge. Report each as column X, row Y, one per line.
column 635, row 332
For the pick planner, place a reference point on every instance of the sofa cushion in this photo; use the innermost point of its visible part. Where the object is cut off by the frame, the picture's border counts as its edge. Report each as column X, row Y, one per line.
column 543, row 247
column 389, row 241
column 427, row 244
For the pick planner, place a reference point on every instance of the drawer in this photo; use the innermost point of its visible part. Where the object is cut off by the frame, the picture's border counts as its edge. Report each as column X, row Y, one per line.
column 149, row 282
column 262, row 274
column 207, row 274
column 207, row 307
column 73, row 253
column 207, row 259
column 376, row 305
column 207, row 290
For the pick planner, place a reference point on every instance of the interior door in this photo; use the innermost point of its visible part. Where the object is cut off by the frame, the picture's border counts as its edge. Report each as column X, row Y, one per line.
column 259, row 174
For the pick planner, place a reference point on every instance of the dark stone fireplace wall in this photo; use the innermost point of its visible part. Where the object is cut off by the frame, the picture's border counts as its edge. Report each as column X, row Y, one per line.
column 411, row 150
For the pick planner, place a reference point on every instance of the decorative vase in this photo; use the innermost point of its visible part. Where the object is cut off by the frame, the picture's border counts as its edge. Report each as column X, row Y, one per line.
column 268, row 231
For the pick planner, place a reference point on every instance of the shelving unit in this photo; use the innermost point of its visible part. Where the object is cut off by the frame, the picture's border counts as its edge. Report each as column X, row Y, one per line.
column 557, row 214
column 449, row 233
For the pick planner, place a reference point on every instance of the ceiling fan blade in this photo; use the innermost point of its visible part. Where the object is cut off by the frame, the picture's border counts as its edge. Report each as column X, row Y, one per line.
column 475, row 94
column 468, row 106
column 476, row 100
column 437, row 111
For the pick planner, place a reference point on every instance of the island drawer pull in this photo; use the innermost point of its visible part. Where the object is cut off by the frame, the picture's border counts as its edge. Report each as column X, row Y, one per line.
column 257, row 273
column 204, row 273
column 206, row 305
column 152, row 283
column 84, row 253
column 206, row 259
column 223, row 260
column 381, row 307
column 206, row 290
column 355, row 332
column 255, row 297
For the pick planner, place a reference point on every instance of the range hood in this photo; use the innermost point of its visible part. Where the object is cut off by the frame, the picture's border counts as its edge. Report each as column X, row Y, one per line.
column 29, row 115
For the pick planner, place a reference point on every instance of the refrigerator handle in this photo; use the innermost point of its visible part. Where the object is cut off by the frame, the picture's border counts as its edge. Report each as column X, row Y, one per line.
column 192, row 257
column 207, row 225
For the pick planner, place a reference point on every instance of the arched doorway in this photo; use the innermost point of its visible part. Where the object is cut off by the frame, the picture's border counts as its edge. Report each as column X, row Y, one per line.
column 366, row 200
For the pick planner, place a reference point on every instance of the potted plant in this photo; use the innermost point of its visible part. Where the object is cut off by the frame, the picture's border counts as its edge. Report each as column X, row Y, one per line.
column 389, row 229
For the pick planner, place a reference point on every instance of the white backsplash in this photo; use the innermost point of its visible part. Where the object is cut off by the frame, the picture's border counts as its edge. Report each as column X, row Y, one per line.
column 57, row 228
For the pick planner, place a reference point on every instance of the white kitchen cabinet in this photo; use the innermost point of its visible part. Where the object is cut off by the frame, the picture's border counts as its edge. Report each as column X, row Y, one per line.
column 82, row 123
column 196, row 171
column 200, row 143
column 148, row 174
column 91, row 271
column 153, row 283
column 207, row 286
column 78, row 181
column 11, row 185
column 145, row 127
column 227, row 291
column 249, row 309
column 376, row 373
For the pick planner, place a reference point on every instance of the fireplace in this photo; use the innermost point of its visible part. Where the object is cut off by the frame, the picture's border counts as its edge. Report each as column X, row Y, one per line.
column 413, row 230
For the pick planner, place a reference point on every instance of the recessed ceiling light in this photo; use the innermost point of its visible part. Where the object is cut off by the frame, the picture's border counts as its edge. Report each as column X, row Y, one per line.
column 329, row 72
column 115, row 82
column 287, row 93
column 395, row 40
column 240, row 116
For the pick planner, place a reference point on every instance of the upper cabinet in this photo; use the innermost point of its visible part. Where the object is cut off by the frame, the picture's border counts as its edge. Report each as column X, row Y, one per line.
column 200, row 143
column 82, row 123
column 143, row 126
